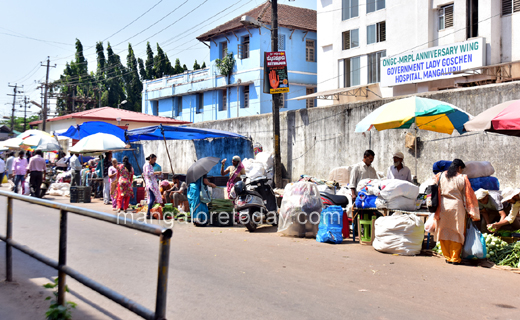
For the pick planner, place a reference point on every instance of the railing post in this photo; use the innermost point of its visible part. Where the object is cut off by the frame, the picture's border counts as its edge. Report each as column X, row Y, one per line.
column 9, row 236
column 162, row 277
column 62, row 259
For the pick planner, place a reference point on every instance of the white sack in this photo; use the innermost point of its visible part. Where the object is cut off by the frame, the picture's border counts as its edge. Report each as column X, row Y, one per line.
column 347, row 192
column 393, row 188
column 301, row 203
column 257, row 170
column 266, row 159
column 371, row 184
column 426, row 184
column 399, row 234
column 341, row 175
column 325, row 188
column 477, row 169
column 401, row 203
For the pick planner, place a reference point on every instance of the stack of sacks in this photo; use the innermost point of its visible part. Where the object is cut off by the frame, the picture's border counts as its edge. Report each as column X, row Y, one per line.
column 59, row 189
column 367, row 192
column 398, row 195
column 341, row 175
column 262, row 165
column 478, row 172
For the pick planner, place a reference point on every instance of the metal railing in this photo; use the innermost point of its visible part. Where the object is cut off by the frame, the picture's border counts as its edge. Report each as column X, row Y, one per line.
column 164, row 234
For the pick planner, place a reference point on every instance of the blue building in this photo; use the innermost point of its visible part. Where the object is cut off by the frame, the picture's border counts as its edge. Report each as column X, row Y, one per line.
column 205, row 94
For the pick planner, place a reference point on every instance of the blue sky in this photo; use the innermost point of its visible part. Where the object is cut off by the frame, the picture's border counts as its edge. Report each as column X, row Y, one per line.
column 32, row 30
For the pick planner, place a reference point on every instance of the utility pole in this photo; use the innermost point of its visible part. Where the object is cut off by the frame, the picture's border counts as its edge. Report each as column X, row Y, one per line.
column 276, row 101
column 25, row 112
column 45, row 108
column 15, row 92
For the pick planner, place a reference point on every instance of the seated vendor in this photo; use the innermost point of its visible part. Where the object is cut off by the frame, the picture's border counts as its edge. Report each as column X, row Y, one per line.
column 175, row 193
column 490, row 206
column 512, row 221
column 398, row 170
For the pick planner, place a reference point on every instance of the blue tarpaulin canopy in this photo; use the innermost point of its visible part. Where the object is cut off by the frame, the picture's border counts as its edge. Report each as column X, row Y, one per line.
column 91, row 127
column 176, row 133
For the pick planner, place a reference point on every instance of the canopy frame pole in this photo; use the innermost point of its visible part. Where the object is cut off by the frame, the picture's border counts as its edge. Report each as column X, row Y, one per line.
column 167, row 152
column 415, row 144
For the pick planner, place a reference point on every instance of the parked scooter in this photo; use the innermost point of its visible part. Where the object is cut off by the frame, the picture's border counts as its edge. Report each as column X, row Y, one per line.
column 255, row 203
column 329, row 199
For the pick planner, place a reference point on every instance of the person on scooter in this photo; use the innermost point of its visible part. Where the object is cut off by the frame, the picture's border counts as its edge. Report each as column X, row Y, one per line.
column 362, row 170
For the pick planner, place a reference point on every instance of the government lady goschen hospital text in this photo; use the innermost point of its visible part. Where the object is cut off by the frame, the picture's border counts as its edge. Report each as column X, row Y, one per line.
column 430, row 64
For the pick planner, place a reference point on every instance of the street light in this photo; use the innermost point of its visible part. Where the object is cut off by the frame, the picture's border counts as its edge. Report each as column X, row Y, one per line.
column 122, row 103
column 252, row 22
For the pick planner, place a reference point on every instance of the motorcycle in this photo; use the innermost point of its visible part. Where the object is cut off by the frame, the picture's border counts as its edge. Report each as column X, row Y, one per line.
column 256, row 203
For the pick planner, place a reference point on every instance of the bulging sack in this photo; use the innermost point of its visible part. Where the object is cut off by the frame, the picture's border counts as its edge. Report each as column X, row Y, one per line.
column 399, row 233
column 300, row 210
column 331, row 225
column 477, row 169
column 394, row 188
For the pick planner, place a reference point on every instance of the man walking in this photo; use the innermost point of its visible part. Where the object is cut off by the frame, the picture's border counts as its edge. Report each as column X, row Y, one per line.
column 76, row 167
column 19, row 171
column 37, row 169
column 107, row 162
column 2, row 170
column 9, row 165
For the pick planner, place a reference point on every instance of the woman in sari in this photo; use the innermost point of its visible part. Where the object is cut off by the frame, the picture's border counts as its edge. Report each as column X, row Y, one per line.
column 124, row 184
column 151, row 183
column 456, row 198
column 235, row 172
column 199, row 210
column 112, row 176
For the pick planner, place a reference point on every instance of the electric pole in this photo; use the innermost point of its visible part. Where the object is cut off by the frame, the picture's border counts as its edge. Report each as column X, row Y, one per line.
column 25, row 112
column 15, row 92
column 276, row 101
column 45, row 98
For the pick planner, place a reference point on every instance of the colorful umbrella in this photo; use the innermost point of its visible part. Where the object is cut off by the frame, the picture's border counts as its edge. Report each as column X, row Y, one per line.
column 427, row 114
column 503, row 118
column 33, row 132
column 13, row 143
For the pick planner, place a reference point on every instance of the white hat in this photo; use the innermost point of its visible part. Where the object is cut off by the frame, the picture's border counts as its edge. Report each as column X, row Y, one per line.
column 481, row 193
column 399, row 155
column 509, row 193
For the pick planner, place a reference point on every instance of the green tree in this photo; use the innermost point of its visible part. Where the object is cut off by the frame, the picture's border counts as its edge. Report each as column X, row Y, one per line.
column 203, row 65
column 142, row 70
column 178, row 69
column 162, row 65
column 184, row 67
column 18, row 123
column 150, row 74
column 133, row 84
column 196, row 66
column 114, row 81
column 101, row 75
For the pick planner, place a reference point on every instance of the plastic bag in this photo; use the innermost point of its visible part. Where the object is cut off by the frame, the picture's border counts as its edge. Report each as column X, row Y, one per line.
column 474, row 243
column 365, row 201
column 393, row 188
column 488, row 183
column 399, row 233
column 331, row 225
column 205, row 196
column 300, row 210
column 431, row 225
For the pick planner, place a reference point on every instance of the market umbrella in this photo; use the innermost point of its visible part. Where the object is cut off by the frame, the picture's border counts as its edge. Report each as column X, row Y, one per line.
column 426, row 114
column 98, row 142
column 13, row 143
column 200, row 168
column 43, row 143
column 503, row 118
column 33, row 132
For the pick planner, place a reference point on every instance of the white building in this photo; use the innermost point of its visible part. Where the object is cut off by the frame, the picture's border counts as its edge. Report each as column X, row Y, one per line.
column 355, row 36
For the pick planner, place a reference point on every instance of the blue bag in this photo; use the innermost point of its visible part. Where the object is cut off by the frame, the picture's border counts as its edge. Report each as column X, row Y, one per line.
column 331, row 225
column 364, row 200
column 488, row 183
column 441, row 166
column 474, row 244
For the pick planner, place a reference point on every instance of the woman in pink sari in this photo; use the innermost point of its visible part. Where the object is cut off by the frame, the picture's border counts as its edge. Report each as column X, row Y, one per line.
column 235, row 172
column 124, row 184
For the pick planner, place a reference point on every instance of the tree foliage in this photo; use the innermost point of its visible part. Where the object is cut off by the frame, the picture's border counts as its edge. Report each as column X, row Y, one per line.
column 18, row 122
column 113, row 81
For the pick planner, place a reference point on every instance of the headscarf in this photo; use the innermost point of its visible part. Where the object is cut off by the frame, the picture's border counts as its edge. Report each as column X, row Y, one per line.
column 237, row 158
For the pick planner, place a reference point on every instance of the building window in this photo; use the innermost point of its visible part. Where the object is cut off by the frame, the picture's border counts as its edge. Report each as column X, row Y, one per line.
column 374, row 5
column 200, row 102
column 446, row 17
column 223, row 100
column 352, row 72
column 281, row 42
column 350, row 9
column 374, row 66
column 243, row 48
column 376, row 32
column 310, row 50
column 350, row 39
column 510, row 6
column 223, row 49
column 472, row 18
column 246, row 97
column 178, row 107
column 309, row 102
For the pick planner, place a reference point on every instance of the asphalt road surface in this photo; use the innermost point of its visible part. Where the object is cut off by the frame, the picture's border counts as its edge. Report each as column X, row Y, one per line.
column 229, row 273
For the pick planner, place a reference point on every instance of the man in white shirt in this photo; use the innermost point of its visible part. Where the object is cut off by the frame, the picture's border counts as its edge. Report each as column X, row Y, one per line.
column 512, row 221
column 398, row 170
column 2, row 170
column 362, row 170
column 9, row 165
column 76, row 167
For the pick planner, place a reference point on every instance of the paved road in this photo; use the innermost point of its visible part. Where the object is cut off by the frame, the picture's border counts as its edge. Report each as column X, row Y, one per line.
column 228, row 273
